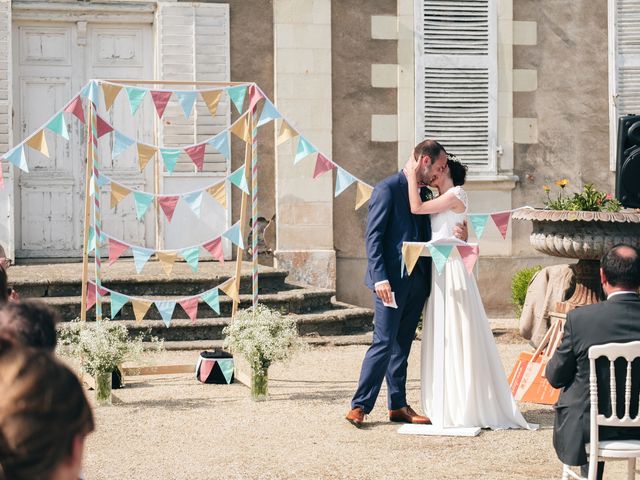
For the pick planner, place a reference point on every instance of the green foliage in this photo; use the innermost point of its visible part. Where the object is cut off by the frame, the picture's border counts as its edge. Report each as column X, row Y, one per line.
column 519, row 284
column 589, row 199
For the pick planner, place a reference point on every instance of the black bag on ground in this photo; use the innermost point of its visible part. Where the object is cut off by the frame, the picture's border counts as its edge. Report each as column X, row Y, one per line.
column 215, row 367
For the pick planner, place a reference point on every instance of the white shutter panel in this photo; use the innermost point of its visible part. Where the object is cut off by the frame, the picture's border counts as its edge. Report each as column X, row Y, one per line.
column 457, row 81
column 193, row 45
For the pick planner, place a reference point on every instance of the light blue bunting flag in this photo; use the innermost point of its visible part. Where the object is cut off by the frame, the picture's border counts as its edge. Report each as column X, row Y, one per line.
column 239, row 180
column 226, row 366
column 117, row 302
column 120, row 143
column 17, row 157
column 478, row 222
column 135, row 96
column 143, row 200
column 90, row 91
column 191, row 256
column 269, row 113
column 221, row 143
column 194, row 200
column 235, row 235
column 440, row 254
column 237, row 94
column 304, row 149
column 186, row 101
column 166, row 308
column 141, row 256
column 212, row 297
column 58, row 125
column 343, row 180
column 103, row 180
column 170, row 158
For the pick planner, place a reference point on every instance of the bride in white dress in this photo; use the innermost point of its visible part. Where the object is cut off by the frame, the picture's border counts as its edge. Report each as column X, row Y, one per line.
column 476, row 391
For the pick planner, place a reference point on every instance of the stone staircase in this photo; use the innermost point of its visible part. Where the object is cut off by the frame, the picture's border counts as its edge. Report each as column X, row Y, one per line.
column 315, row 310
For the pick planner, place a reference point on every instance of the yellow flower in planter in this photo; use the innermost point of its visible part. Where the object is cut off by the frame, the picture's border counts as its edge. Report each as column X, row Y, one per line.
column 546, row 188
column 562, row 183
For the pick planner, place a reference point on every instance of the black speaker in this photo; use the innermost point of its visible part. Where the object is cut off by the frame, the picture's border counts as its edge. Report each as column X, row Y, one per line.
column 628, row 161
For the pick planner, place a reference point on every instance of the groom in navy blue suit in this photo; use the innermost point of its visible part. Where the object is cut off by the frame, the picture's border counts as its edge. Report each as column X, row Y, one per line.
column 389, row 224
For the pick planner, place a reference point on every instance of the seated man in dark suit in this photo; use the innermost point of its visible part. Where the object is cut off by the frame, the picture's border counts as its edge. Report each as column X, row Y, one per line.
column 615, row 320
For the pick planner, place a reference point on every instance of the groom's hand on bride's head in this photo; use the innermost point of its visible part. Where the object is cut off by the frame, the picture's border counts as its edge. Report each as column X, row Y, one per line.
column 383, row 291
column 461, row 231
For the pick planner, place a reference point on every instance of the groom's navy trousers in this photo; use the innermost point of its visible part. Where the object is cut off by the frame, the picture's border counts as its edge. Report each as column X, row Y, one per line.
column 389, row 224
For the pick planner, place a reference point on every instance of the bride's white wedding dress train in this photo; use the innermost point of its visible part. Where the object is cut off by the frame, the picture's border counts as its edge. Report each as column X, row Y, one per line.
column 476, row 391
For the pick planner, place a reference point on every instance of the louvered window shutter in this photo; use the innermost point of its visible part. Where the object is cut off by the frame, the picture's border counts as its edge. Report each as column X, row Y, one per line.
column 457, row 79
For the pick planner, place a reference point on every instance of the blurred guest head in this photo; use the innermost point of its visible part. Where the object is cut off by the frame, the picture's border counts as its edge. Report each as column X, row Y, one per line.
column 31, row 323
column 620, row 269
column 4, row 286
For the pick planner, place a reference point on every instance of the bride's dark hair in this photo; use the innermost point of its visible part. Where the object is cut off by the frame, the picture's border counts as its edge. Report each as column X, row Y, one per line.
column 457, row 170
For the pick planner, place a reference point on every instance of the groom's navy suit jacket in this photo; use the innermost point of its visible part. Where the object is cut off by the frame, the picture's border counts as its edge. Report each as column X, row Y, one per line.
column 390, row 223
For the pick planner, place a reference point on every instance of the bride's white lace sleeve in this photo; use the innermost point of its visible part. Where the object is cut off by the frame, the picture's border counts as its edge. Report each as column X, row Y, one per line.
column 461, row 195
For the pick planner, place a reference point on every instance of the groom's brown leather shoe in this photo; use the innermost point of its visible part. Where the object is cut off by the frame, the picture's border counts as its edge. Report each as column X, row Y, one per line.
column 407, row 415
column 356, row 417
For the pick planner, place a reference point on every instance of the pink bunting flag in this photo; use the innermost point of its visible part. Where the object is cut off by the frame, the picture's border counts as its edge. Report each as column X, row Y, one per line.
column 254, row 97
column 1, row 178
column 469, row 254
column 190, row 306
column 205, row 370
column 91, row 294
column 168, row 205
column 116, row 249
column 196, row 153
column 214, row 247
column 160, row 100
column 102, row 127
column 323, row 164
column 75, row 107
column 502, row 222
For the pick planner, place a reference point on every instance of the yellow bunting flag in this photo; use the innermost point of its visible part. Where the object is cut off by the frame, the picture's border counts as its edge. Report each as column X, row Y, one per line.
column 363, row 194
column 411, row 254
column 110, row 94
column 286, row 132
column 230, row 287
column 140, row 308
column 219, row 194
column 212, row 98
column 167, row 259
column 241, row 129
column 118, row 192
column 145, row 153
column 39, row 142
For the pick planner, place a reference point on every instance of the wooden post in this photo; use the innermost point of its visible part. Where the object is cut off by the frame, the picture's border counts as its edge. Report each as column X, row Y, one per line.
column 87, row 217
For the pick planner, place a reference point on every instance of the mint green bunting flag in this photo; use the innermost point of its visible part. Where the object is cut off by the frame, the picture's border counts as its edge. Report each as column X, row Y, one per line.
column 91, row 241
column 90, row 91
column 304, row 149
column 343, row 180
column 166, row 308
column 58, row 125
column 170, row 158
column 237, row 94
column 141, row 257
column 186, row 101
column 212, row 297
column 120, row 143
column 239, row 180
column 478, row 222
column 269, row 113
column 143, row 200
column 17, row 157
column 194, row 200
column 221, row 143
column 135, row 96
column 117, row 302
column 92, row 185
column 191, row 256
column 440, row 254
column 235, row 235
column 226, row 366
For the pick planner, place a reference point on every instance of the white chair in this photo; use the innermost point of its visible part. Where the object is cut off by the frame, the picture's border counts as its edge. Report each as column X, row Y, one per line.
column 610, row 449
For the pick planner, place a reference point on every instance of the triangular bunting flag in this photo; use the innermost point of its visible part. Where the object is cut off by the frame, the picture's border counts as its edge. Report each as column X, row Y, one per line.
column 219, row 194
column 190, row 306
column 90, row 91
column 237, row 94
column 118, row 192
column 39, row 142
column 212, row 298
column 166, row 308
column 91, row 241
column 304, row 149
column 440, row 255
column 226, row 367
column 120, row 143
column 167, row 259
column 502, row 222
column 1, row 178
column 143, row 200
column 168, row 205
column 117, row 302
column 110, row 93
column 194, row 200
column 214, row 247
column 410, row 255
column 286, row 132
column 141, row 256
column 478, row 222
column 269, row 113
column 75, row 107
column 135, row 96
column 230, row 287
column 58, row 125
column 196, row 153
column 186, row 101
column 170, row 158
column 469, row 254
column 239, row 180
column 91, row 295
column 191, row 256
column 255, row 95
column 103, row 180
column 145, row 153
column 363, row 194
column 140, row 308
column 343, row 180
column 323, row 165
column 18, row 158
column 221, row 143
column 160, row 100
column 211, row 98
column 241, row 128
column 116, row 249
column 235, row 235
column 102, row 127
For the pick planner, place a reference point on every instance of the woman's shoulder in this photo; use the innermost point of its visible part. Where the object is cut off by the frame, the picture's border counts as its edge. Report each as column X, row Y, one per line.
column 460, row 194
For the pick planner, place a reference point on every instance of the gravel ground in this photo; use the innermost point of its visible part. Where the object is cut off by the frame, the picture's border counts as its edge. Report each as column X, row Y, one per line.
column 172, row 427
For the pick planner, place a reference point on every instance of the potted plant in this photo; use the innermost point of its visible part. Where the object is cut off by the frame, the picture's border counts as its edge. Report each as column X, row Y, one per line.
column 262, row 336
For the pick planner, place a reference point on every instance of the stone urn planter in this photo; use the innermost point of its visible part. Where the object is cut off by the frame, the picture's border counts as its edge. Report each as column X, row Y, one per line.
column 582, row 235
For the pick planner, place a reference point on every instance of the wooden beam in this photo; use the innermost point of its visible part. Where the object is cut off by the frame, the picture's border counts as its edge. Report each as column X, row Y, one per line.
column 87, row 215
column 158, row 370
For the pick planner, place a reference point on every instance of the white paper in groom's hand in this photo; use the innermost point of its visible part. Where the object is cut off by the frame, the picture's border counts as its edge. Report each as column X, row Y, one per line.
column 392, row 303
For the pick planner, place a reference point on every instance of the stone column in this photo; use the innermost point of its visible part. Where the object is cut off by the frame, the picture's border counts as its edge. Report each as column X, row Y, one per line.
column 304, row 206
column 6, row 140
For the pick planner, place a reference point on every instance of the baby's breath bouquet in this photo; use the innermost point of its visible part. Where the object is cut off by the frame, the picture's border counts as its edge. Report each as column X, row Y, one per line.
column 262, row 336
